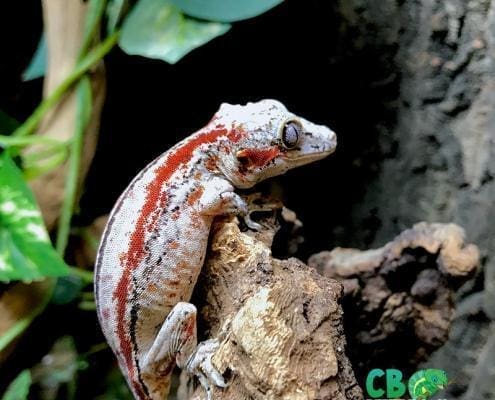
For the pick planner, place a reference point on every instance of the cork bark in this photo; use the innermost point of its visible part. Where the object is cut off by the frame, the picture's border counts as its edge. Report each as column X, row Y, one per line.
column 401, row 295
column 279, row 322
column 288, row 330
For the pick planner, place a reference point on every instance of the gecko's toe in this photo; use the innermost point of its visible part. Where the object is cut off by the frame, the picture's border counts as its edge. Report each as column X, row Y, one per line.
column 201, row 366
column 213, row 375
column 251, row 224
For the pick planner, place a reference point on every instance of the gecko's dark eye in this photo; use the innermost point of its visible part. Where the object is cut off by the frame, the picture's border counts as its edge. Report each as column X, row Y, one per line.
column 291, row 133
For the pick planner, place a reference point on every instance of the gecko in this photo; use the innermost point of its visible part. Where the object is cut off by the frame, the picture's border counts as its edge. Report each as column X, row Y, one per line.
column 155, row 241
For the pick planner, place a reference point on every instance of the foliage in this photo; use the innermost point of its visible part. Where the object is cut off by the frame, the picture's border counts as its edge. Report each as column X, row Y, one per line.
column 115, row 10
column 19, row 388
column 157, row 29
column 225, row 10
column 25, row 249
column 60, row 374
column 37, row 67
column 7, row 123
column 163, row 29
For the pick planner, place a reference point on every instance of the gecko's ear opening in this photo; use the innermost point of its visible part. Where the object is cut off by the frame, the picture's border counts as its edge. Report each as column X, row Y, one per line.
column 249, row 158
column 243, row 157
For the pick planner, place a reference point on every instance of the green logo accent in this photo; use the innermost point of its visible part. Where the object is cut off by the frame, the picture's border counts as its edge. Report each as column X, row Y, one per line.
column 425, row 383
column 422, row 385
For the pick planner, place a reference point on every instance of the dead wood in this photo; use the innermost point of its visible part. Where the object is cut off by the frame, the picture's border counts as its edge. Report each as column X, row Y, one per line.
column 398, row 298
column 279, row 322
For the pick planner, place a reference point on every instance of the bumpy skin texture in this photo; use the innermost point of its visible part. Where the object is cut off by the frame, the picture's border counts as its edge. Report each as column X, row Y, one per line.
column 155, row 241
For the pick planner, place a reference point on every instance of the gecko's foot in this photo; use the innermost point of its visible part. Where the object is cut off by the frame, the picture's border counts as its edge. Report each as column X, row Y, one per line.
column 258, row 203
column 232, row 203
column 250, row 223
column 199, row 365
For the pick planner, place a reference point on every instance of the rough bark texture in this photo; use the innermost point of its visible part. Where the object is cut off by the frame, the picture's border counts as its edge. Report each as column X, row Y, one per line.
column 434, row 156
column 400, row 295
column 281, row 325
column 279, row 322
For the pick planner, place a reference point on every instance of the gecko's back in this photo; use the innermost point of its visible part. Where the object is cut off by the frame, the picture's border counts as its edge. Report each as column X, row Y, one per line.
column 152, row 251
column 155, row 240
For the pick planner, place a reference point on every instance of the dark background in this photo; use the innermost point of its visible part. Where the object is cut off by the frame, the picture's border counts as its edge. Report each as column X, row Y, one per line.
column 290, row 53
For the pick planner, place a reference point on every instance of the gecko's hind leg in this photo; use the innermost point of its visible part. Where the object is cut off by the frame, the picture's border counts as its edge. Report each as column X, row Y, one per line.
column 177, row 340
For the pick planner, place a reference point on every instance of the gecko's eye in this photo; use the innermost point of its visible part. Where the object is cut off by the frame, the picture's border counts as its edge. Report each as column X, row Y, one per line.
column 291, row 133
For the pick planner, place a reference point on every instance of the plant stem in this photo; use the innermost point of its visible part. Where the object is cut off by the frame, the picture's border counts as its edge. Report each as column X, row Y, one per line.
column 86, row 276
column 83, row 114
column 9, row 141
column 29, row 126
column 96, row 8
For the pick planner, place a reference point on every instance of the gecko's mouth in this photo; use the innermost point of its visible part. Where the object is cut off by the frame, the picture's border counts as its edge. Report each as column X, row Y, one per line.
column 316, row 155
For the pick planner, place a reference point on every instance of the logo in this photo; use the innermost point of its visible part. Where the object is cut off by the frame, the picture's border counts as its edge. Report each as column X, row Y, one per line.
column 388, row 384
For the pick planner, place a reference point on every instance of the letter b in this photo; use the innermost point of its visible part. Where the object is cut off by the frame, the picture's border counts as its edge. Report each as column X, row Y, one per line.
column 395, row 387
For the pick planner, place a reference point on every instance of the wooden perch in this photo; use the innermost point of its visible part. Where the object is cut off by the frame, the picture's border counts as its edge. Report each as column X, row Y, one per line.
column 399, row 297
column 279, row 322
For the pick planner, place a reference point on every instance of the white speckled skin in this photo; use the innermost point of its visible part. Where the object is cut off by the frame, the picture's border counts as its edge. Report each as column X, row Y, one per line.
column 155, row 241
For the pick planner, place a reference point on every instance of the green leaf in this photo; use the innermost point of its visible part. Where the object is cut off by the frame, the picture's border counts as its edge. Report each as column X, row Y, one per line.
column 37, row 66
column 225, row 10
column 83, row 115
column 7, row 123
column 25, row 249
column 19, row 387
column 157, row 29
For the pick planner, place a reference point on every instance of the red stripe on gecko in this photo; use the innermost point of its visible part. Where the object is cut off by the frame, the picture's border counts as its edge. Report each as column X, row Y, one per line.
column 154, row 196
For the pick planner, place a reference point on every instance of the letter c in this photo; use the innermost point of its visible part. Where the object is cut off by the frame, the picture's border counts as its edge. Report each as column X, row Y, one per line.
column 374, row 373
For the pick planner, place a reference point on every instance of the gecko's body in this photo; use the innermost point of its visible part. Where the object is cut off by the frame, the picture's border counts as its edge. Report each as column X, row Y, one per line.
column 155, row 240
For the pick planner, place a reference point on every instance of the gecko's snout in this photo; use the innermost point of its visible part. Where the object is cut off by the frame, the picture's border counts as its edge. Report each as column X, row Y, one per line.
column 331, row 144
column 326, row 138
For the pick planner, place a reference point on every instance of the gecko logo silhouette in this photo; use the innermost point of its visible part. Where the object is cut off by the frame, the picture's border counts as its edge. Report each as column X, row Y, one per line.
column 425, row 383
column 388, row 384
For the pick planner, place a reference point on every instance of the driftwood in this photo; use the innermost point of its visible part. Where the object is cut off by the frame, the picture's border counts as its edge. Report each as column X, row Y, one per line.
column 399, row 297
column 280, row 323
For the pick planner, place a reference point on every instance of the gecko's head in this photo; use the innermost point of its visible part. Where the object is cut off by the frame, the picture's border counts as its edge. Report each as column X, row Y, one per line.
column 436, row 377
column 268, row 140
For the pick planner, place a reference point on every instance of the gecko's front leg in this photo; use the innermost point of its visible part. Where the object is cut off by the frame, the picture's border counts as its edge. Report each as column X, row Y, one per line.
column 222, row 200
